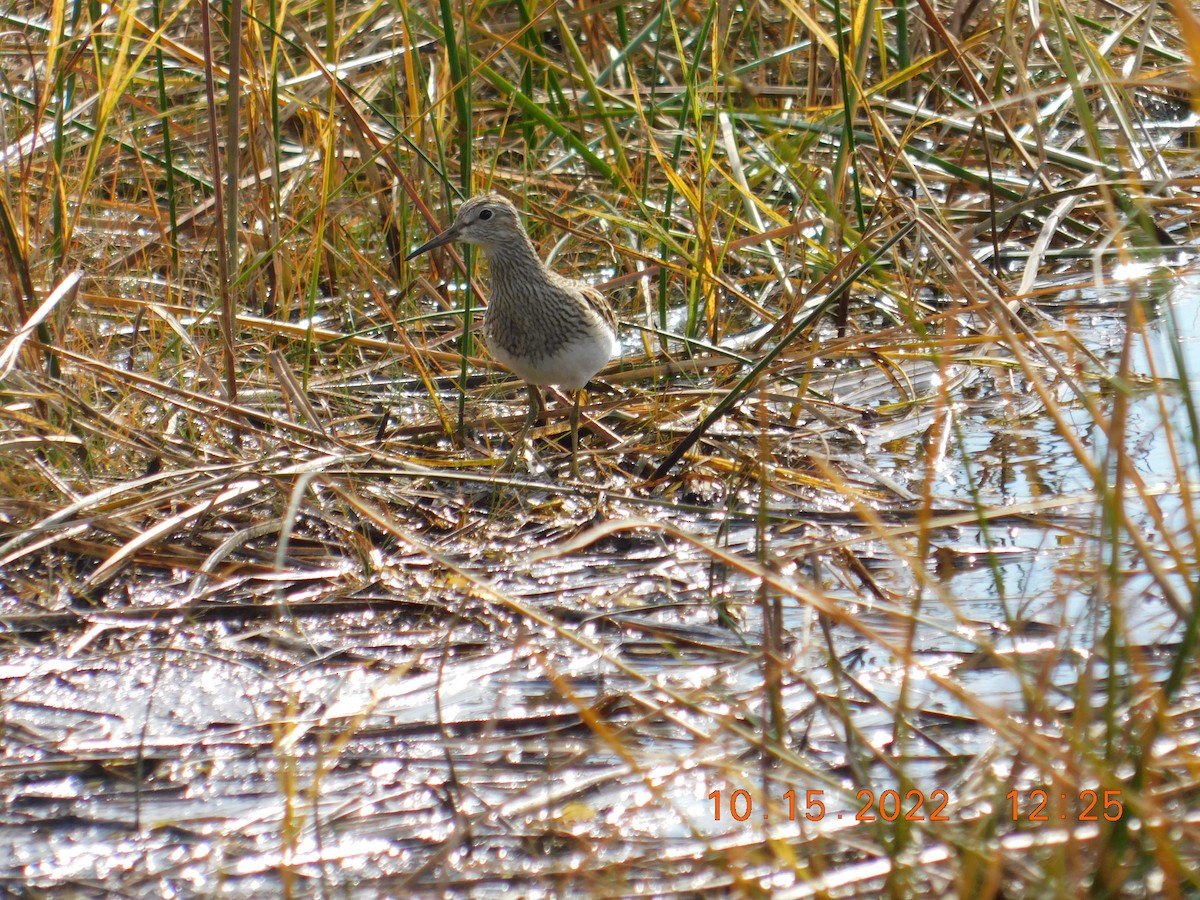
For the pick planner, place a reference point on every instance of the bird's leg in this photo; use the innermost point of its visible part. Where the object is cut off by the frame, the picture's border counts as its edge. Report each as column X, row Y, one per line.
column 535, row 412
column 575, row 435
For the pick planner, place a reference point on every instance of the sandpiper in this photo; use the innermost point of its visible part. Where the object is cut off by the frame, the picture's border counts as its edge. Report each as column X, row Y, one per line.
column 546, row 328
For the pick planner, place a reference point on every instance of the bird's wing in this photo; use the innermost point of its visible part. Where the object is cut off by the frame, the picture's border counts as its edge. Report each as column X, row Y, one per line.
column 599, row 304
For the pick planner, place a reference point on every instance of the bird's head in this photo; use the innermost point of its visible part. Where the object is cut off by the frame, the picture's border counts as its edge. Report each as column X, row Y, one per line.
column 488, row 220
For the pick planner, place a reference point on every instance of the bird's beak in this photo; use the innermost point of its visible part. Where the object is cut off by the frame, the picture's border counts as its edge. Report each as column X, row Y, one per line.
column 450, row 234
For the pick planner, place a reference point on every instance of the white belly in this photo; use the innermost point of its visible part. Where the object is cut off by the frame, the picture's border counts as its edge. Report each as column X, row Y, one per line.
column 570, row 367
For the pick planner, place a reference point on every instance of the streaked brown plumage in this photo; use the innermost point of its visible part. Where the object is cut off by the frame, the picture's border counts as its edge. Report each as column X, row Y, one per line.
column 546, row 328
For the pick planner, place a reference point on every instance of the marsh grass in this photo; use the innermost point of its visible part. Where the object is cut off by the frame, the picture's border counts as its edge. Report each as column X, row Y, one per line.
column 245, row 445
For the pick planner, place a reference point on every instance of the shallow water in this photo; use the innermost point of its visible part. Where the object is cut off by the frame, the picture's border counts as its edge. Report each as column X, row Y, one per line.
column 494, row 716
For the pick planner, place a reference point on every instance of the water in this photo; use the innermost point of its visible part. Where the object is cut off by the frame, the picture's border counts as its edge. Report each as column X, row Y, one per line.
column 503, row 704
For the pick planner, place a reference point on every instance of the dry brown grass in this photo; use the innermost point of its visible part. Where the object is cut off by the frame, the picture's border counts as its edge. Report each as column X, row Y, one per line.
column 254, row 542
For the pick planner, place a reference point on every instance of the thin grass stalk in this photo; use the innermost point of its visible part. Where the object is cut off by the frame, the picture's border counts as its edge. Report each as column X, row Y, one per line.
column 112, row 88
column 164, row 107
column 690, row 185
column 460, row 77
column 1189, row 30
column 847, row 149
column 1181, row 551
column 285, row 752
column 329, row 167
column 233, row 100
column 64, row 90
column 530, row 38
column 900, row 47
column 775, row 718
column 685, row 106
column 275, row 213
column 1118, row 469
column 227, row 310
column 935, row 441
column 1176, row 340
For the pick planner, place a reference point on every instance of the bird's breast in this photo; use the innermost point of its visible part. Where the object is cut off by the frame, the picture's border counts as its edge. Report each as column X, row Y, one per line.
column 549, row 343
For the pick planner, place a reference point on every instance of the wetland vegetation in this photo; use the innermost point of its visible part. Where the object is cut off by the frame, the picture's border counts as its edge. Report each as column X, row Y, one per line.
column 880, row 576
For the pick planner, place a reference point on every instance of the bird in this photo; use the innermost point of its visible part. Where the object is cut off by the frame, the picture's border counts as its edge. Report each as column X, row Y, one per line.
column 546, row 328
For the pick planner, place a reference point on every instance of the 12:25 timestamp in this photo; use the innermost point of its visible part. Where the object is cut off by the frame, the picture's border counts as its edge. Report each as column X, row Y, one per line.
column 1041, row 805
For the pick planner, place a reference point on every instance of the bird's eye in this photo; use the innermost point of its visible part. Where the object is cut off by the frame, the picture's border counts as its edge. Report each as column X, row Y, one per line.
column 484, row 215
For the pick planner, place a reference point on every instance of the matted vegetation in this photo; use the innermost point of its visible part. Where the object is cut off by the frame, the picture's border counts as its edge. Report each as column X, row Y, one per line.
column 881, row 577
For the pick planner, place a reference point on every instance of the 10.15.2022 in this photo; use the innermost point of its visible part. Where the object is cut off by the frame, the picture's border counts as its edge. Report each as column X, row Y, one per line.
column 888, row 806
